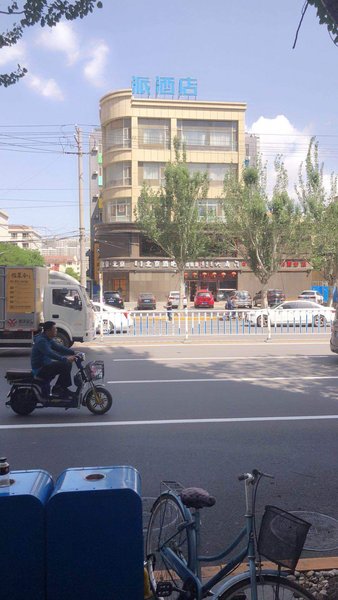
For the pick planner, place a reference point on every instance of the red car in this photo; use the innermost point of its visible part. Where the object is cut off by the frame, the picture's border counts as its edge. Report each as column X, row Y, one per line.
column 204, row 299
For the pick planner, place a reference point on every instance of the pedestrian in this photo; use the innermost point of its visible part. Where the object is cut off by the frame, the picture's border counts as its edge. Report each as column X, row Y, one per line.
column 169, row 308
column 230, row 306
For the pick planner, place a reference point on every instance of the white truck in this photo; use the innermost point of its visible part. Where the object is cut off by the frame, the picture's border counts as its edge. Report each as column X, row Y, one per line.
column 31, row 295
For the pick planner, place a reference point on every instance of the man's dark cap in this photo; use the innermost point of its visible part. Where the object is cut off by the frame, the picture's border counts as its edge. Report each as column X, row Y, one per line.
column 48, row 325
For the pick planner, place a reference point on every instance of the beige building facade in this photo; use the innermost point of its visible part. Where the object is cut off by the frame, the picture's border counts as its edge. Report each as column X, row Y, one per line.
column 137, row 143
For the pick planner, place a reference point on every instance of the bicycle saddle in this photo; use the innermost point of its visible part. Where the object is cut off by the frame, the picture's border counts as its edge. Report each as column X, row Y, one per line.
column 194, row 497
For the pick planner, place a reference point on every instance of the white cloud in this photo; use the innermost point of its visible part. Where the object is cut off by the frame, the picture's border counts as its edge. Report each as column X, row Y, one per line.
column 12, row 55
column 61, row 38
column 95, row 67
column 279, row 136
column 45, row 87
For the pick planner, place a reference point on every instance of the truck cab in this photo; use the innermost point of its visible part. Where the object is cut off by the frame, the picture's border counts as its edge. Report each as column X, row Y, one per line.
column 67, row 303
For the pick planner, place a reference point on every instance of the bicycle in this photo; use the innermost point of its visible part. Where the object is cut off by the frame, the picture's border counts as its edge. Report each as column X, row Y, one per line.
column 173, row 557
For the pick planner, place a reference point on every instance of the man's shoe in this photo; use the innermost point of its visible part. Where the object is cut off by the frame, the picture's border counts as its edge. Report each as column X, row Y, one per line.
column 58, row 392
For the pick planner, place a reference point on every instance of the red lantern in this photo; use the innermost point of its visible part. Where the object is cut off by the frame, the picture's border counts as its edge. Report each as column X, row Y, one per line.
column 185, row 275
column 303, row 263
column 214, row 274
column 204, row 274
column 243, row 263
column 194, row 275
column 295, row 264
column 233, row 273
column 288, row 263
column 223, row 274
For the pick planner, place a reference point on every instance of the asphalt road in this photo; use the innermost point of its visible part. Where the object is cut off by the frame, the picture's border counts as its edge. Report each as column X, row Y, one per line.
column 201, row 414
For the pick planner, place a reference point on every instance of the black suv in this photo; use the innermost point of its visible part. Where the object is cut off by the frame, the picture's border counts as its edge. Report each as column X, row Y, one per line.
column 113, row 299
column 274, row 297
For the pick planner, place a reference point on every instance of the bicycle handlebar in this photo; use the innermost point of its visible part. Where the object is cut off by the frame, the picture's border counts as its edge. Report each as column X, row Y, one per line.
column 252, row 477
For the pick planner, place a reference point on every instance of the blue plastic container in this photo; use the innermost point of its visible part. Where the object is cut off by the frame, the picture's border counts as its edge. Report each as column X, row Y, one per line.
column 22, row 539
column 94, row 535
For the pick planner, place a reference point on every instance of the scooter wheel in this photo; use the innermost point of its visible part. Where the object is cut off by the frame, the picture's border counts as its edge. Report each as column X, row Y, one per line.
column 99, row 403
column 23, row 402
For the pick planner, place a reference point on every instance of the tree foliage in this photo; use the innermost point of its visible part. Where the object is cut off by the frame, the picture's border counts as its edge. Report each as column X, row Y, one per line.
column 70, row 271
column 327, row 12
column 262, row 229
column 12, row 255
column 38, row 12
column 320, row 215
column 170, row 216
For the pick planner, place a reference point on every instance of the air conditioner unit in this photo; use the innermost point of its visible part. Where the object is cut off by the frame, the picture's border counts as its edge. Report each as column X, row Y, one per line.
column 95, row 174
column 95, row 149
column 95, row 198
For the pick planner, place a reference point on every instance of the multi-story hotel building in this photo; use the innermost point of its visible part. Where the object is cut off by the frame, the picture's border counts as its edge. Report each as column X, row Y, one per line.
column 137, row 143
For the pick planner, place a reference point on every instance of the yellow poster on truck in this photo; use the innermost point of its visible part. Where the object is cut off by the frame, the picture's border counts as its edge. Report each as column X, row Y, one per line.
column 20, row 290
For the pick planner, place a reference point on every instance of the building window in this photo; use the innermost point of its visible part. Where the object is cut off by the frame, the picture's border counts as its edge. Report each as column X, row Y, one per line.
column 118, row 210
column 118, row 174
column 25, row 235
column 117, row 134
column 151, row 173
column 209, row 135
column 25, row 244
column 215, row 171
column 210, row 209
column 154, row 133
column 14, row 235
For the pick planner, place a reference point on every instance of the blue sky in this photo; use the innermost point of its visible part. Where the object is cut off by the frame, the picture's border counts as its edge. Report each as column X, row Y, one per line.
column 238, row 50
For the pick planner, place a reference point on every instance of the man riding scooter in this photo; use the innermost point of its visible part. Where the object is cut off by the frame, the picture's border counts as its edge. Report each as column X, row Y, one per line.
column 49, row 359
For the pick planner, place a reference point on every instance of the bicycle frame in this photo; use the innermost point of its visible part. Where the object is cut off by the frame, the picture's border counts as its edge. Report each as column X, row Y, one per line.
column 185, row 574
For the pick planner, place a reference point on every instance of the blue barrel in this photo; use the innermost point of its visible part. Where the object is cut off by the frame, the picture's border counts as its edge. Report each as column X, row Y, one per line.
column 22, row 539
column 94, row 535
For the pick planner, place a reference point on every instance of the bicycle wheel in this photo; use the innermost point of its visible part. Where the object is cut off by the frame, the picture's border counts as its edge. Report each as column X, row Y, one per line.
column 165, row 529
column 269, row 587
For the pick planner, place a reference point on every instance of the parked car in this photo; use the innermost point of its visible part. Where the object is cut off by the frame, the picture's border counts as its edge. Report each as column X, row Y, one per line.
column 298, row 312
column 115, row 320
column 311, row 295
column 113, row 298
column 204, row 299
column 241, row 299
column 146, row 301
column 334, row 333
column 223, row 293
column 273, row 296
column 174, row 298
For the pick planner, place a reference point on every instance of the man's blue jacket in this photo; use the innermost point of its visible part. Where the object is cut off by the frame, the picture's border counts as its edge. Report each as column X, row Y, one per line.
column 45, row 351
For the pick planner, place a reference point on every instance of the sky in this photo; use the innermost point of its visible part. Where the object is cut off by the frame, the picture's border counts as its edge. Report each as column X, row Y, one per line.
column 238, row 50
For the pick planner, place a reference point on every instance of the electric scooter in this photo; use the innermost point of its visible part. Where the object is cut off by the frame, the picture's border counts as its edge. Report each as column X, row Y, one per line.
column 28, row 392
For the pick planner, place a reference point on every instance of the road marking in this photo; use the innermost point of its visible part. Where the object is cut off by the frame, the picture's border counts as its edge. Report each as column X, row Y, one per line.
column 237, row 379
column 183, row 359
column 170, row 422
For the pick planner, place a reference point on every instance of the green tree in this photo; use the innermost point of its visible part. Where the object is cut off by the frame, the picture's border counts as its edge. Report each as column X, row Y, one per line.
column 38, row 12
column 70, row 271
column 12, row 255
column 320, row 207
column 170, row 216
column 263, row 230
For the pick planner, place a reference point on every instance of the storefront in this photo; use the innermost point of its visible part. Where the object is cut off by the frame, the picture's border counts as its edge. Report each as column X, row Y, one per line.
column 159, row 276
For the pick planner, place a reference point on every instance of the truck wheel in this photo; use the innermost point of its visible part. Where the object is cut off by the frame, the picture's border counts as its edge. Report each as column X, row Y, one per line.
column 23, row 402
column 63, row 339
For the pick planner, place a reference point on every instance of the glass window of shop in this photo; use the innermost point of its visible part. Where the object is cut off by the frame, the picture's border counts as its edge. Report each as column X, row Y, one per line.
column 151, row 173
column 117, row 134
column 118, row 210
column 211, row 135
column 154, row 133
column 216, row 172
column 118, row 174
column 210, row 209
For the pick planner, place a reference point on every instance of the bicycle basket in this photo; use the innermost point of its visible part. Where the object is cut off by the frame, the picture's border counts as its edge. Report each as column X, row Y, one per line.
column 282, row 536
column 95, row 370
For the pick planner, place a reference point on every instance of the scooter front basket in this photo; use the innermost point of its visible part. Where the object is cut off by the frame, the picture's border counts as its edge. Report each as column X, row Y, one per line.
column 95, row 370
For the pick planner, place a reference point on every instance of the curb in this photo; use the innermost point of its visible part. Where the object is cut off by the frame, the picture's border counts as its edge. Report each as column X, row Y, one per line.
column 304, row 564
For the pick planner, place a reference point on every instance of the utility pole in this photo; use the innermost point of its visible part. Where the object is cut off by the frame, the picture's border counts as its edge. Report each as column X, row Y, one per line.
column 83, row 275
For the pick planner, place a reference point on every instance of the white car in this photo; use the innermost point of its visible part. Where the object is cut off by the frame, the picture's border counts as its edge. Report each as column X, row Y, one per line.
column 174, row 297
column 119, row 321
column 312, row 295
column 293, row 312
column 334, row 334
